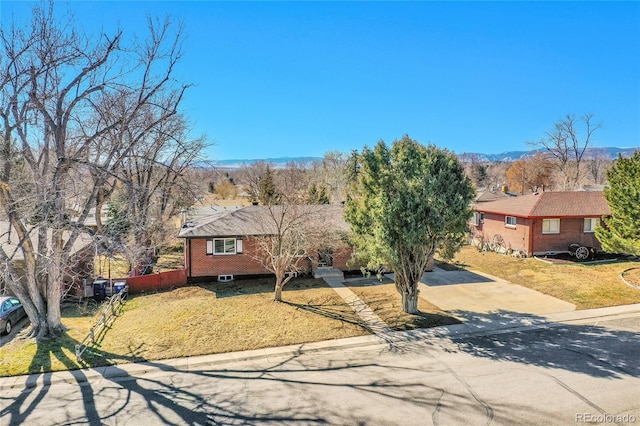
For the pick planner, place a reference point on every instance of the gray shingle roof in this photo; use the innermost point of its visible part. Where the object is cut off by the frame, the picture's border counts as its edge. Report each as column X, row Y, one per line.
column 258, row 220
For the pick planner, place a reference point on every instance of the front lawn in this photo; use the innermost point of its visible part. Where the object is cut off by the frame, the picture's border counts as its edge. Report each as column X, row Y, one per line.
column 585, row 285
column 386, row 302
column 197, row 320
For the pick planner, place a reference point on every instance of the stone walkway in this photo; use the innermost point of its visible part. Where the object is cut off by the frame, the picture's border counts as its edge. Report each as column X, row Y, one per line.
column 366, row 314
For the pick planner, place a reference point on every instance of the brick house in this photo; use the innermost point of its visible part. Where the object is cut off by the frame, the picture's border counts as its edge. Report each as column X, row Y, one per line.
column 224, row 245
column 80, row 266
column 546, row 222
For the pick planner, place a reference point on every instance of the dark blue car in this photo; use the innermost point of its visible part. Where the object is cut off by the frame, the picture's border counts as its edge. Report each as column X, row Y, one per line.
column 11, row 311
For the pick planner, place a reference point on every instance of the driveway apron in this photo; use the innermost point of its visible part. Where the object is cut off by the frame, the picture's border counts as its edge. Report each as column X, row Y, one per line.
column 467, row 291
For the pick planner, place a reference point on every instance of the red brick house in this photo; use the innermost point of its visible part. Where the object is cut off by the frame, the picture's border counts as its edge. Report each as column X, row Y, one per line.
column 224, row 245
column 546, row 222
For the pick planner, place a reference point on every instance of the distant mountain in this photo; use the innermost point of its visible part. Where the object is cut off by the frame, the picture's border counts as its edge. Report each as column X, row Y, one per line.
column 279, row 162
column 608, row 152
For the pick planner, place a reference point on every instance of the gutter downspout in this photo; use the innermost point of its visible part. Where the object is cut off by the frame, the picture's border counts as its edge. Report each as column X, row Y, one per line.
column 189, row 257
column 530, row 251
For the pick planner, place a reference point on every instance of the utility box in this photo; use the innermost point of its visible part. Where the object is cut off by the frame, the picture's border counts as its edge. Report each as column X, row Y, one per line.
column 118, row 286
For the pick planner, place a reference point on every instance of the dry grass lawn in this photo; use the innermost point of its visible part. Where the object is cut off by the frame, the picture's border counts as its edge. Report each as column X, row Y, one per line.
column 206, row 319
column 226, row 317
column 386, row 302
column 585, row 285
column 633, row 276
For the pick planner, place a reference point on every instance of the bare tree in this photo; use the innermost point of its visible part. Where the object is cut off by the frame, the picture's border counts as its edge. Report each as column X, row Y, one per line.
column 597, row 167
column 475, row 168
column 250, row 176
column 290, row 232
column 156, row 186
column 292, row 181
column 60, row 93
column 566, row 144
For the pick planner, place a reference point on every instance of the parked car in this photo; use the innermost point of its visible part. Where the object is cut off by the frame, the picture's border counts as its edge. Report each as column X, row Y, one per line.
column 11, row 311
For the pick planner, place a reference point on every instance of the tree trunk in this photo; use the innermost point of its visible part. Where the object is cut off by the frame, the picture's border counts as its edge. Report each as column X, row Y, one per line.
column 278, row 292
column 279, row 285
column 410, row 302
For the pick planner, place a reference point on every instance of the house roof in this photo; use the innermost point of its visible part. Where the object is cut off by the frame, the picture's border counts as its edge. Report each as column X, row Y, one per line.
column 488, row 195
column 258, row 220
column 550, row 204
column 9, row 241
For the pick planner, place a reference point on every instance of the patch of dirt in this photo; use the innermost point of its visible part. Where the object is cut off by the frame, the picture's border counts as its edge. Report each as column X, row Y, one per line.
column 632, row 276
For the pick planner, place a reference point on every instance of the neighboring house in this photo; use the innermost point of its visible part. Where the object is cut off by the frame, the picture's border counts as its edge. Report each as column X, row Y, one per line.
column 91, row 220
column 546, row 222
column 225, row 244
column 81, row 260
column 493, row 194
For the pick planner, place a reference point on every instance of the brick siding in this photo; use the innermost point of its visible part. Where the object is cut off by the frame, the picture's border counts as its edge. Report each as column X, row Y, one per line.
column 527, row 234
column 202, row 265
column 515, row 238
column 571, row 231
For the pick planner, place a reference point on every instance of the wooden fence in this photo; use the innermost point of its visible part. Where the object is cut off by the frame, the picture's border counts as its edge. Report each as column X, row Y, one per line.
column 156, row 282
column 107, row 312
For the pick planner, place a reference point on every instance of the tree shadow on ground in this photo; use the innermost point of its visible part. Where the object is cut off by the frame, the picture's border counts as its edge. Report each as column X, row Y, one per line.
column 297, row 389
column 40, row 371
column 594, row 350
column 292, row 390
column 341, row 312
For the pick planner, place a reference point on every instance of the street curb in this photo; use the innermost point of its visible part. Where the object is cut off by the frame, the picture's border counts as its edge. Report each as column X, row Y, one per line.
column 195, row 363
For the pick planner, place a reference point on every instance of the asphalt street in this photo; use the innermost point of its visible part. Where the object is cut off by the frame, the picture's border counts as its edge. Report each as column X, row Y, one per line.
column 551, row 374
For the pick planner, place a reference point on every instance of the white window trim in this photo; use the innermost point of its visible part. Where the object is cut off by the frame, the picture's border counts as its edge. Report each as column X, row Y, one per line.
column 211, row 246
column 477, row 218
column 550, row 232
column 594, row 221
column 510, row 225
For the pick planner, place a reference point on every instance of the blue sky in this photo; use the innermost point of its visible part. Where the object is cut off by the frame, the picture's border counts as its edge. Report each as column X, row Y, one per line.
column 302, row 78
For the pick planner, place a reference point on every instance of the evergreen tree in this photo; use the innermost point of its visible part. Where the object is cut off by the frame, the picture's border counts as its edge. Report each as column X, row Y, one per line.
column 318, row 195
column 621, row 230
column 406, row 202
column 268, row 194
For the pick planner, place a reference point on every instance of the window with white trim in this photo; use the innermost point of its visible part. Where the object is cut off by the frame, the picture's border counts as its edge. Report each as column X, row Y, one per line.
column 477, row 218
column 218, row 246
column 510, row 221
column 550, row 226
column 591, row 223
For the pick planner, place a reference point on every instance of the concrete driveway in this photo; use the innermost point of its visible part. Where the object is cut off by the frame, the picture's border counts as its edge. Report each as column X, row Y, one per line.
column 466, row 291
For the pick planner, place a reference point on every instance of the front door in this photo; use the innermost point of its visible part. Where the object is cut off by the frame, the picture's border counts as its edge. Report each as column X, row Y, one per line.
column 325, row 257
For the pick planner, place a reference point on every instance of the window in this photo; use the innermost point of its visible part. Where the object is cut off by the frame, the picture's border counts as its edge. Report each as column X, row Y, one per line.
column 510, row 221
column 550, row 226
column 590, row 224
column 224, row 246
column 477, row 218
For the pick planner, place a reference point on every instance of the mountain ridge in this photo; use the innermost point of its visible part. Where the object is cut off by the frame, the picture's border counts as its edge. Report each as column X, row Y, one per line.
column 606, row 152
